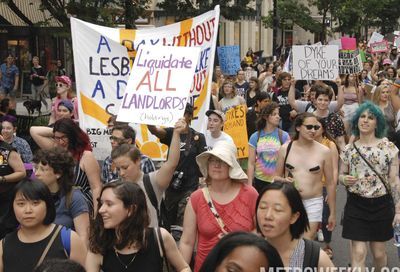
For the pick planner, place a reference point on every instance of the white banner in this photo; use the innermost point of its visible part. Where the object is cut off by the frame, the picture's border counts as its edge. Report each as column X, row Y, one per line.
column 315, row 62
column 103, row 57
column 157, row 92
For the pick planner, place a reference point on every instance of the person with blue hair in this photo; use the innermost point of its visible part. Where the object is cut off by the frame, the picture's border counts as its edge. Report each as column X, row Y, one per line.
column 370, row 172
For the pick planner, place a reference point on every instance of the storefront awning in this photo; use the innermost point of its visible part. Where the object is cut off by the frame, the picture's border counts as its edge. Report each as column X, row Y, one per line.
column 27, row 13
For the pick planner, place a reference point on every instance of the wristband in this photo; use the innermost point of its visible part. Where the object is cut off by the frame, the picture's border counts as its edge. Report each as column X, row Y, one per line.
column 342, row 180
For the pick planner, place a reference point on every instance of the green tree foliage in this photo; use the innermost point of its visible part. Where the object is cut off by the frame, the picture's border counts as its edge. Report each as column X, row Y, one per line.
column 291, row 12
column 103, row 12
column 354, row 15
column 183, row 9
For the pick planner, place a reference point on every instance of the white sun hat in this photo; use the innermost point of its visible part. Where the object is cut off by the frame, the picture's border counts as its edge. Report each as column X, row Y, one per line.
column 225, row 151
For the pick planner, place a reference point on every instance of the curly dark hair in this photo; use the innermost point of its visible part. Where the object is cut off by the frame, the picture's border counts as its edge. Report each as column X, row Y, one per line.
column 265, row 112
column 78, row 140
column 62, row 163
column 131, row 230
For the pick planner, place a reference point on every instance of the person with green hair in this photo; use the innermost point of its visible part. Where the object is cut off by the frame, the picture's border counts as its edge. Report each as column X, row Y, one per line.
column 370, row 172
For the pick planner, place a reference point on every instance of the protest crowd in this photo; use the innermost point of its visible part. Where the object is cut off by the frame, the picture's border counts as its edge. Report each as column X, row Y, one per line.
column 215, row 204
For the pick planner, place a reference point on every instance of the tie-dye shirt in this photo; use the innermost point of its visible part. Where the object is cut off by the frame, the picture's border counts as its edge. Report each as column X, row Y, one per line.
column 267, row 152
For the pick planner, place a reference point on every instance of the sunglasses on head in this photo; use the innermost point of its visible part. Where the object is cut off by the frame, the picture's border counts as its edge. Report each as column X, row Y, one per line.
column 310, row 127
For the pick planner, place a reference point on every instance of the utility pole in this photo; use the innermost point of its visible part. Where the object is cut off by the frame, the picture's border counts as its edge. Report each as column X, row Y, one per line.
column 258, row 7
column 275, row 26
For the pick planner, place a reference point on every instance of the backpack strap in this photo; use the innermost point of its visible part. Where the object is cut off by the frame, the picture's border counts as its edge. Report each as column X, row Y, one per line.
column 311, row 254
column 161, row 248
column 150, row 192
column 286, row 156
column 66, row 240
column 49, row 244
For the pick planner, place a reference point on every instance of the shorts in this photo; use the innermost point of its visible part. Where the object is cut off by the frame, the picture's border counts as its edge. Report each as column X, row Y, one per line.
column 8, row 91
column 314, row 207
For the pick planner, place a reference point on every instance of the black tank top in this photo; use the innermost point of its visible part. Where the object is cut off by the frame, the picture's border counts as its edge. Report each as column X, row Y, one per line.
column 5, row 168
column 147, row 259
column 23, row 257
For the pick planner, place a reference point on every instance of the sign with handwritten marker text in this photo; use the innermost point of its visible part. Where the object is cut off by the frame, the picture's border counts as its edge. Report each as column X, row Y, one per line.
column 103, row 58
column 235, row 126
column 158, row 91
column 229, row 59
column 315, row 62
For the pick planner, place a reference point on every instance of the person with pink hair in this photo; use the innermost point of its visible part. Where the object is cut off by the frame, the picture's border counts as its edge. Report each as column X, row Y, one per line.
column 64, row 92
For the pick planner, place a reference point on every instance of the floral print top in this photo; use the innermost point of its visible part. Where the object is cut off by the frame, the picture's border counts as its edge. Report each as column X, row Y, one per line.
column 380, row 157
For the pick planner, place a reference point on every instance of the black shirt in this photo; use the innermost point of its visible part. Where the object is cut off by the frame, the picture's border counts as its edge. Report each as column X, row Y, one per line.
column 281, row 97
column 146, row 259
column 39, row 71
column 187, row 160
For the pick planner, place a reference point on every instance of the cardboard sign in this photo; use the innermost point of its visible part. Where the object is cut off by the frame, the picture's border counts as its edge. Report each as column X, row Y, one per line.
column 103, row 58
column 396, row 41
column 349, row 43
column 311, row 62
column 288, row 67
column 375, row 37
column 229, row 59
column 235, row 126
column 350, row 62
column 379, row 47
column 158, row 91
column 337, row 42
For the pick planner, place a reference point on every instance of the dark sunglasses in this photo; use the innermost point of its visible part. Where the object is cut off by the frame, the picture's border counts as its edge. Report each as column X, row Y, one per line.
column 310, row 127
column 59, row 84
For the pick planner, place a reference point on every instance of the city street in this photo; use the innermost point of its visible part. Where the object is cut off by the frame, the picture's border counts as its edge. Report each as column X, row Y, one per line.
column 340, row 246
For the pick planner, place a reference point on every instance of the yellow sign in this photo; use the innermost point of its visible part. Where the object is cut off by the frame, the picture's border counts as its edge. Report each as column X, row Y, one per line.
column 235, row 126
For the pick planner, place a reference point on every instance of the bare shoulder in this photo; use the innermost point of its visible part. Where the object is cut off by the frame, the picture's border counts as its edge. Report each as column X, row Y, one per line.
column 321, row 148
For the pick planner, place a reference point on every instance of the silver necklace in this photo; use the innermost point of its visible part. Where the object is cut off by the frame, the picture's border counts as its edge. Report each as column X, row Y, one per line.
column 122, row 263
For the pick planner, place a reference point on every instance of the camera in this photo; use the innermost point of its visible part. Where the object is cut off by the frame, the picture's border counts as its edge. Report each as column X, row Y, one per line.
column 177, row 182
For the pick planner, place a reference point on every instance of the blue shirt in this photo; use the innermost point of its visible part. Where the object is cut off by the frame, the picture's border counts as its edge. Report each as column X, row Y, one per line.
column 8, row 75
column 109, row 171
column 65, row 215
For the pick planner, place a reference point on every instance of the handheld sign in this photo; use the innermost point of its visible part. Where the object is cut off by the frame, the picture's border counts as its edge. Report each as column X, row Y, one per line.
column 375, row 37
column 315, row 62
column 350, row 62
column 103, row 58
column 229, row 59
column 157, row 92
column 379, row 47
column 235, row 126
column 349, row 43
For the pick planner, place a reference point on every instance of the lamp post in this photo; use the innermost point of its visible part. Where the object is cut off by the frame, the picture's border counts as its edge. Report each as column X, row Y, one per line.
column 275, row 26
column 258, row 7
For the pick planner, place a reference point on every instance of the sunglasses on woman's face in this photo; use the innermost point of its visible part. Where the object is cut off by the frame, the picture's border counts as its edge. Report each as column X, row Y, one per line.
column 310, row 127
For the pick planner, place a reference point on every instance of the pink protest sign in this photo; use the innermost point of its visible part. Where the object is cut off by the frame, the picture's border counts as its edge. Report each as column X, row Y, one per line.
column 379, row 47
column 348, row 43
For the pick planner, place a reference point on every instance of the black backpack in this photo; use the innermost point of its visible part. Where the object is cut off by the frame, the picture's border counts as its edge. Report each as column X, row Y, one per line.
column 311, row 254
column 162, row 215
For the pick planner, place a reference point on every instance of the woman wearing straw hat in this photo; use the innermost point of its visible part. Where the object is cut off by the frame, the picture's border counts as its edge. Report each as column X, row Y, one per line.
column 225, row 205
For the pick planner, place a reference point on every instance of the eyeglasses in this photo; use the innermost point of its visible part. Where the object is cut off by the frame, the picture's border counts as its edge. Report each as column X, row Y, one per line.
column 60, row 138
column 310, row 127
column 59, row 84
column 118, row 140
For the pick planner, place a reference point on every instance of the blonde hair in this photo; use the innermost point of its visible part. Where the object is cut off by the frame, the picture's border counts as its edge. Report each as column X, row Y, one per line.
column 377, row 93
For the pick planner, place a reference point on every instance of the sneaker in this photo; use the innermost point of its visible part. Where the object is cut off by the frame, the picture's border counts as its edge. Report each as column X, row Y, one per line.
column 320, row 235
